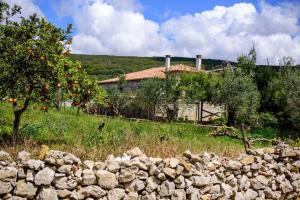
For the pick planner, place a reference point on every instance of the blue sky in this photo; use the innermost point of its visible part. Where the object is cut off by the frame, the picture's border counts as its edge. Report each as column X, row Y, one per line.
column 218, row 29
column 48, row 7
column 156, row 10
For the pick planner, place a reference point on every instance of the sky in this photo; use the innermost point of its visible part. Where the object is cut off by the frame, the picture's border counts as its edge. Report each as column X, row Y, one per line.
column 214, row 28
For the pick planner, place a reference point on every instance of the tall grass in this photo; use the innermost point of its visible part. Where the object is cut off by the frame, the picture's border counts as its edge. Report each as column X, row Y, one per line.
column 65, row 131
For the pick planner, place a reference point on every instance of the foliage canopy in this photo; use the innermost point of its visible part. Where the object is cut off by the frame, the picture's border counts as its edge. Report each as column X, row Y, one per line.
column 34, row 67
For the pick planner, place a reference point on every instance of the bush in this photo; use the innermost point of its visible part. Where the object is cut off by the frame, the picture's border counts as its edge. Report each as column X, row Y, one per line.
column 267, row 120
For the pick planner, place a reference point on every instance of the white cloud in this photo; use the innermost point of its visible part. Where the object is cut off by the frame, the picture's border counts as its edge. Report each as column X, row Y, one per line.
column 28, row 7
column 129, row 5
column 226, row 32
column 118, row 27
column 115, row 31
column 111, row 27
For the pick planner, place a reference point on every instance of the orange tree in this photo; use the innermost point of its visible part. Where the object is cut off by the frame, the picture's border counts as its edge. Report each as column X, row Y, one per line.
column 80, row 88
column 88, row 92
column 32, row 58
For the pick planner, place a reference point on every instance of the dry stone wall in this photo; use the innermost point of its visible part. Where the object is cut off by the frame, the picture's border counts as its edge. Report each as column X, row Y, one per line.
column 270, row 173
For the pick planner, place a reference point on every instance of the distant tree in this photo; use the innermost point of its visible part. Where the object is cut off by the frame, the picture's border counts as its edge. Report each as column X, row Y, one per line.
column 286, row 62
column 240, row 96
column 247, row 62
column 198, row 87
column 194, row 86
column 284, row 92
column 150, row 93
column 215, row 82
column 239, row 92
column 163, row 94
column 169, row 104
column 117, row 99
column 32, row 55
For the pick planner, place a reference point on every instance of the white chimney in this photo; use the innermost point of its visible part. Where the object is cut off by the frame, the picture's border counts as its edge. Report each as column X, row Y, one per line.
column 168, row 62
column 198, row 62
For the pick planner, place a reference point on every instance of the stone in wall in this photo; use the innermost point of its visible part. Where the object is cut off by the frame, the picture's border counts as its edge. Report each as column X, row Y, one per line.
column 269, row 173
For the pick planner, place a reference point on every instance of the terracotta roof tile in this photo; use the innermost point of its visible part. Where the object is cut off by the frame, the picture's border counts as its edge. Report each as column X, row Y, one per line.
column 157, row 72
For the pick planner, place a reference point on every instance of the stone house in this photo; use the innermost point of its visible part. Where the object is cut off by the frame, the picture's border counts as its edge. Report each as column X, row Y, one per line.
column 200, row 111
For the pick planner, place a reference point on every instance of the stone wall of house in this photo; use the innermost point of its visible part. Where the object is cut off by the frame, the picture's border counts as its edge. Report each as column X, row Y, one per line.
column 129, row 86
column 191, row 112
column 270, row 173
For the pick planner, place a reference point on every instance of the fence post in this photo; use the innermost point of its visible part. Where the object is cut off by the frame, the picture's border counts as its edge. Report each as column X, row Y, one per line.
column 201, row 111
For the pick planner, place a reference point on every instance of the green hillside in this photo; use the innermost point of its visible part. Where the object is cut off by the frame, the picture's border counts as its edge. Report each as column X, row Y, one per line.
column 102, row 66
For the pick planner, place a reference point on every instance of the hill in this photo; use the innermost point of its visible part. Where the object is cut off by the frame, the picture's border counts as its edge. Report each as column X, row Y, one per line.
column 102, row 67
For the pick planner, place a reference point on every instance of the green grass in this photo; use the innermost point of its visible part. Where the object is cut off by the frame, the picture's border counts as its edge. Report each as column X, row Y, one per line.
column 102, row 67
column 63, row 130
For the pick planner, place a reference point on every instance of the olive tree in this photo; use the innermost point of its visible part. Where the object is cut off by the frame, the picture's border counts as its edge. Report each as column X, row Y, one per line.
column 284, row 93
column 194, row 86
column 117, row 99
column 239, row 94
column 246, row 62
column 199, row 86
column 169, row 95
column 163, row 94
column 149, row 94
column 32, row 57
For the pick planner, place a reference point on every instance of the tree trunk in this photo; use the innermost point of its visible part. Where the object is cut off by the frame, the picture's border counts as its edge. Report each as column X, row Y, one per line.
column 230, row 117
column 57, row 105
column 154, row 112
column 16, row 125
column 246, row 142
column 18, row 113
column 115, row 110
column 176, row 110
column 78, row 109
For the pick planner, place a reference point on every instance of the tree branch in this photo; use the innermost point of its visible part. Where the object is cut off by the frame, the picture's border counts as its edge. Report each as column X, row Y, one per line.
column 26, row 102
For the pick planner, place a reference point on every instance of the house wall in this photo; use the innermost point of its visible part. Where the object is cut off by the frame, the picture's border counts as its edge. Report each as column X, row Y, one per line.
column 129, row 86
column 192, row 112
column 188, row 112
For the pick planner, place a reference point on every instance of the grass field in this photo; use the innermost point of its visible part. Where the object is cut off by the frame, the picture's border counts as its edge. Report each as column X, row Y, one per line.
column 63, row 130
